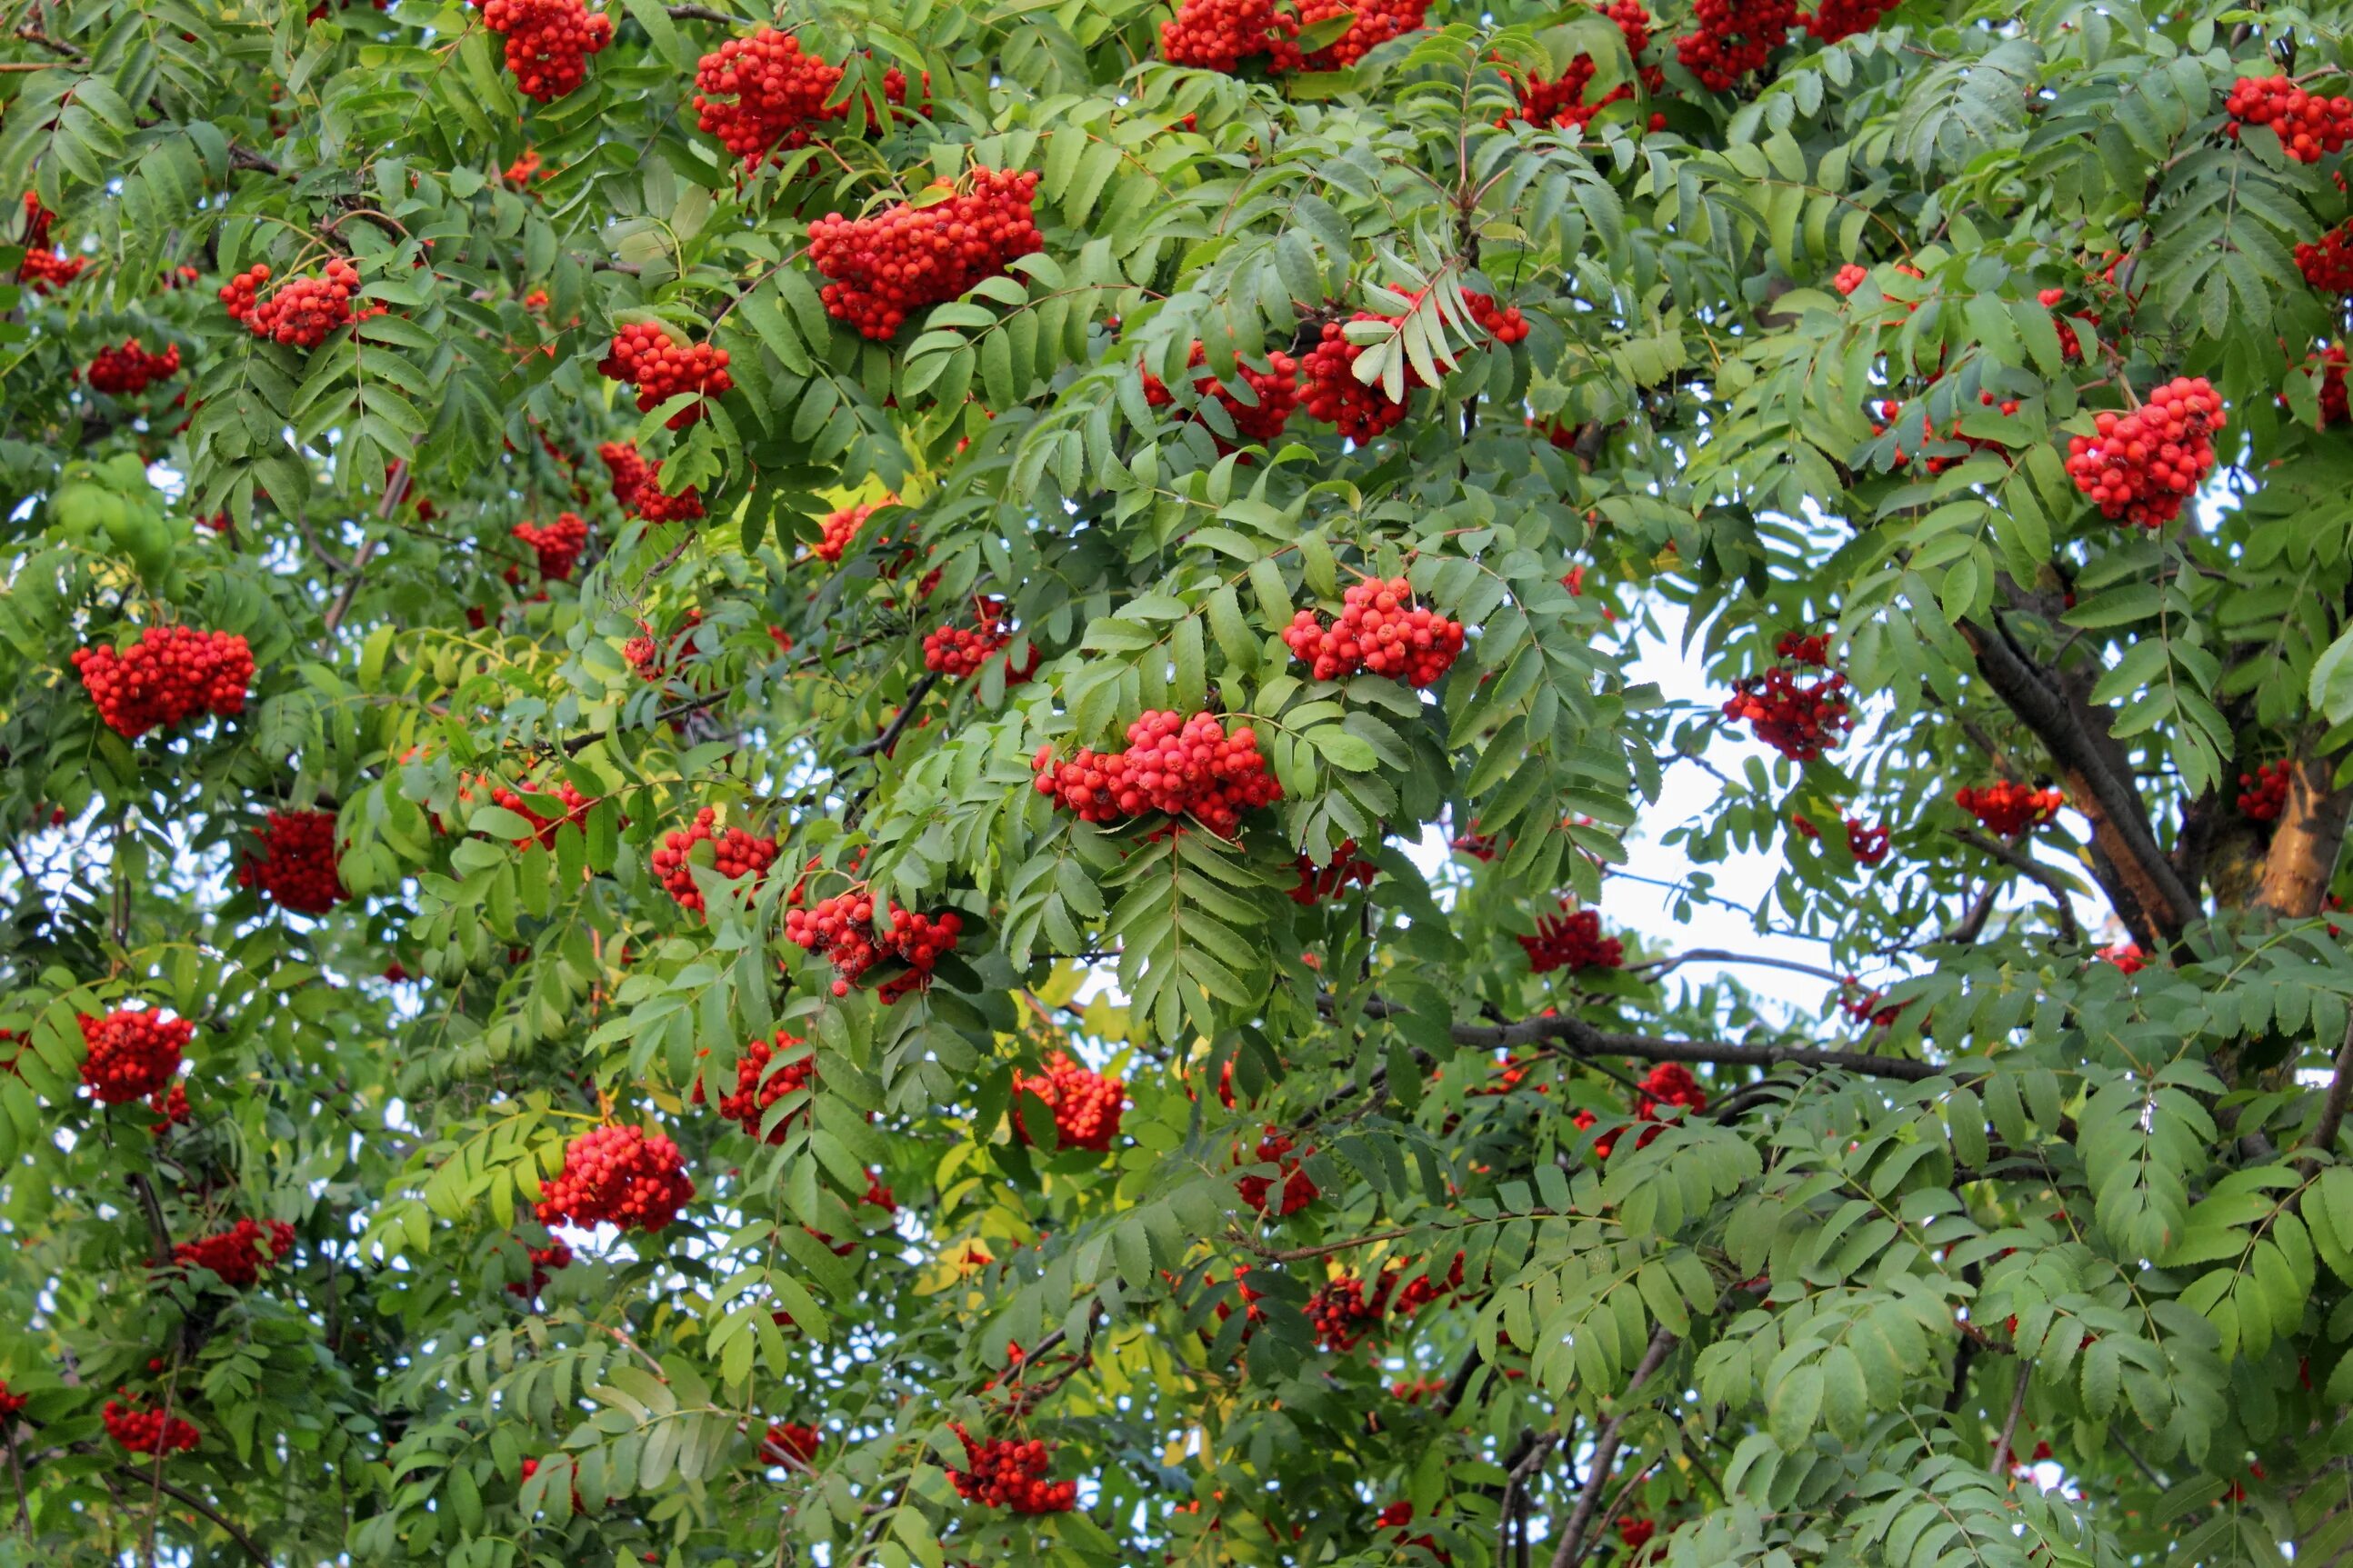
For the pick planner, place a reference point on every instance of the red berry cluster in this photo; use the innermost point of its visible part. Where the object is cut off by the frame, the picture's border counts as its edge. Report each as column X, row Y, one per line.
column 1668, row 1083
column 1868, row 845
column 959, row 651
column 1299, row 1189
column 794, row 1441
column 170, row 674
column 2308, row 124
column 1571, row 940
column 1003, row 1473
column 11, row 1405
column 543, row 828
column 1087, row 1106
column 639, row 492
column 1634, row 1531
column 44, row 269
column 170, row 1105
column 1378, row 630
column 1399, row 1516
column 1374, row 22
column 2142, row 466
column 777, row 91
column 839, row 529
column 1344, row 1310
column 558, row 544
column 886, row 267
column 239, row 1254
column 2326, row 263
column 842, row 928
column 1797, row 720
column 147, row 1431
column 544, row 1260
column 130, row 370
column 2007, row 808
column 1733, row 38
column 1218, row 35
column 733, row 853
column 1835, row 19
column 756, row 1088
column 1334, row 394
column 620, row 1175
column 296, row 867
column 2331, row 364
column 521, row 174
column 1173, row 765
column 662, row 368
column 1849, row 278
column 2263, row 795
column 131, row 1053
column 302, row 310
column 548, row 42
column 1276, row 388
column 1802, row 647
column 1888, row 408
column 1562, row 103
column 1317, row 883
column 2128, row 957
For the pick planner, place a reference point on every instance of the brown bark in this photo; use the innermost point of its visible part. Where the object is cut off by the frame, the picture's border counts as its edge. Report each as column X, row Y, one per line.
column 2305, row 842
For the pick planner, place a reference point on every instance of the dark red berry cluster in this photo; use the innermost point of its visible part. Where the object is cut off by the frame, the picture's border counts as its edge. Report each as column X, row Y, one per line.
column 1868, row 845
column 2128, row 957
column 2263, row 795
column 548, row 42
column 1634, row 1532
column 296, row 867
column 1571, row 940
column 623, row 1175
column 2141, row 466
column 1274, row 1148
column 146, row 1431
column 239, row 1254
column 793, row 1441
column 1087, row 1106
column 839, row 529
column 1176, row 765
column 1219, row 35
column 1397, row 1516
column 2326, row 263
column 557, row 544
column 1799, row 720
column 2308, row 124
column 2330, row 364
column 1733, row 38
column 1424, row 1288
column 300, row 311
column 756, row 1088
column 11, row 1405
column 543, row 828
column 842, row 928
column 170, row 674
column 1318, row 883
column 1887, row 409
column 130, row 370
column 1563, row 104
column 662, row 368
column 640, row 493
column 733, row 853
column 959, row 651
column 1379, row 629
column 544, row 1260
column 170, row 1105
column 652, row 659
column 1668, row 1083
column 131, row 1053
column 1835, row 19
column 1276, row 388
column 44, row 270
column 1003, row 1473
column 2005, row 808
column 1344, row 1310
column 887, row 266
column 1804, row 647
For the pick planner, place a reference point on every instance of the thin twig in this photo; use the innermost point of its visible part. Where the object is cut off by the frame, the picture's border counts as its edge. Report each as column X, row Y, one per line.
column 2027, row 866
column 579, row 744
column 900, row 721
column 159, row 1234
column 700, row 14
column 1605, row 1451
column 55, row 46
column 202, row 1507
column 2009, row 1427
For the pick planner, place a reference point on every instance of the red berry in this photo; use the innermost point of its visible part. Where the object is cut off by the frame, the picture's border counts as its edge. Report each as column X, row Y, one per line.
column 297, row 866
column 623, row 1175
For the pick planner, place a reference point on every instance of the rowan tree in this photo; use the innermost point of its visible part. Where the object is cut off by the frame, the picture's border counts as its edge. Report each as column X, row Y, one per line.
column 848, row 786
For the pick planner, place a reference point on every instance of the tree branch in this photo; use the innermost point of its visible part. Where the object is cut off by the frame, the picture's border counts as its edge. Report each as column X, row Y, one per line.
column 202, row 1507
column 700, row 14
column 2332, row 1109
column 2027, row 866
column 1605, row 1450
column 2009, row 1427
column 159, row 1234
column 579, row 744
column 900, row 721
column 2306, row 841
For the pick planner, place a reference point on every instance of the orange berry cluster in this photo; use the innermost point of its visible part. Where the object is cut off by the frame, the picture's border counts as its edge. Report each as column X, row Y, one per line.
column 130, row 370
column 1571, row 940
column 640, row 493
column 1374, row 22
column 2263, row 795
column 777, row 91
column 1276, row 388
column 300, row 311
column 662, row 368
column 2308, row 124
column 1797, row 720
column 1380, row 630
column 733, row 853
column 1562, row 103
column 2005, row 808
column 146, row 1431
column 756, row 1088
column 1003, row 1473
column 548, row 43
column 2140, row 467
column 621, row 1175
column 1218, row 35
column 959, row 651
column 1087, row 1106
column 521, row 173
column 839, row 529
column 1733, row 38
column 842, row 928
column 239, row 1254
column 131, row 1053
column 2326, row 263
column 887, row 266
column 170, row 674
column 794, row 1441
column 297, row 864
column 1317, row 883
column 1173, row 765
column 1299, row 1189
column 1668, row 1083
column 1868, row 845
column 544, row 1260
column 558, row 544
column 1835, row 19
